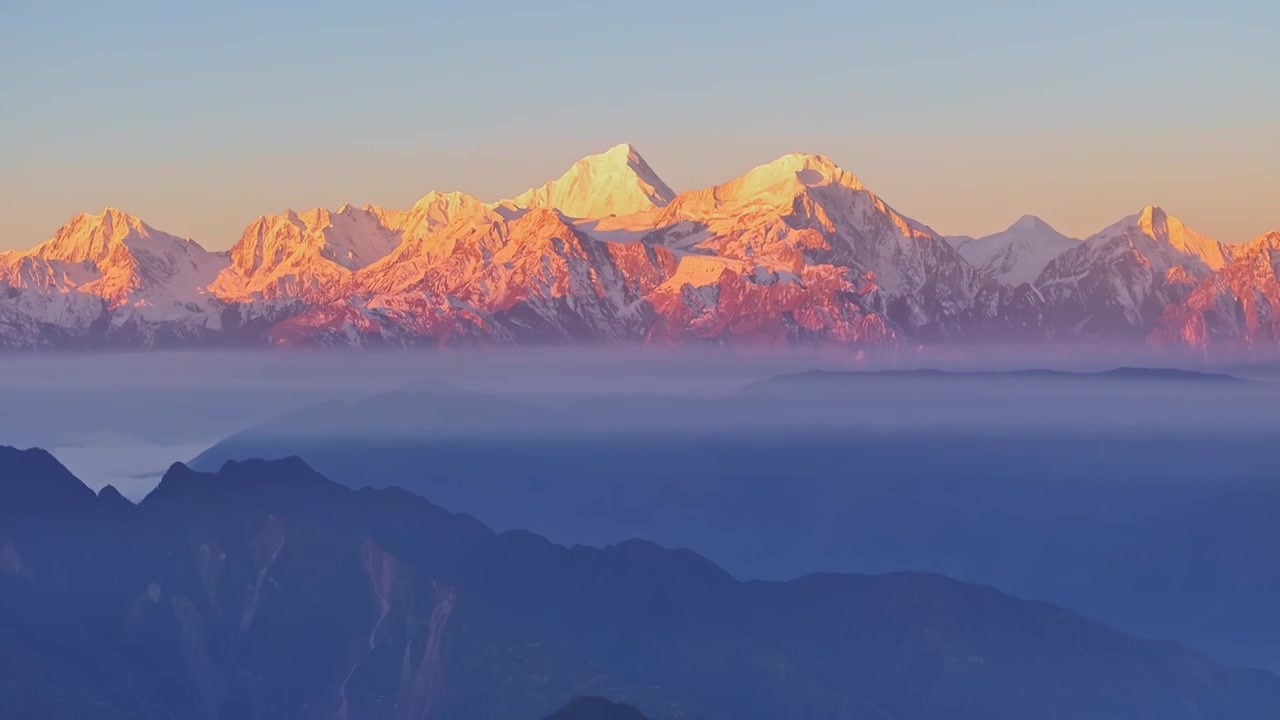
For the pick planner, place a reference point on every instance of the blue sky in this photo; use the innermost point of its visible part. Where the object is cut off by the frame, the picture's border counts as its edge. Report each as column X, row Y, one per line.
column 200, row 116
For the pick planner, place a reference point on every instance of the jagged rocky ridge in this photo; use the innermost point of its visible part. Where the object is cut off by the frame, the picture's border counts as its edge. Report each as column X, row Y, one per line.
column 794, row 251
column 264, row 590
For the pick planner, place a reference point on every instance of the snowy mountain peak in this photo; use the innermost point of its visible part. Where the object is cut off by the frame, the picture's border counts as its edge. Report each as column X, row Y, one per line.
column 1113, row 281
column 315, row 217
column 114, row 221
column 1017, row 254
column 308, row 253
column 797, row 169
column 1265, row 242
column 1029, row 222
column 93, row 238
column 1154, row 221
column 452, row 200
column 617, row 181
column 774, row 184
column 114, row 215
column 620, row 157
column 623, row 153
column 436, row 210
column 129, row 267
column 1155, row 225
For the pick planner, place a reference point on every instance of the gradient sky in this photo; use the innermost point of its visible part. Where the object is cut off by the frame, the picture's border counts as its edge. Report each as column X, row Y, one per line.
column 200, row 116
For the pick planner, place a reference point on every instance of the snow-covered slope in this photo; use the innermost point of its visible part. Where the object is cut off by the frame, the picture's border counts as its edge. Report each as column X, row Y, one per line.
column 805, row 208
column 1017, row 254
column 615, row 182
column 1164, row 239
column 1118, row 281
column 429, row 234
column 32, row 318
column 430, row 213
column 114, row 268
column 531, row 278
column 1238, row 305
column 307, row 256
column 802, row 216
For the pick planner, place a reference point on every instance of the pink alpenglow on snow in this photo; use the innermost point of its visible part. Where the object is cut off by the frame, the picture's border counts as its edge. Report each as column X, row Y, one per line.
column 794, row 251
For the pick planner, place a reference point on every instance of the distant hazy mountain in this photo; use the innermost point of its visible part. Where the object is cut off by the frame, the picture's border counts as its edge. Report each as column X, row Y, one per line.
column 266, row 591
column 1018, row 254
column 827, row 378
column 1058, row 486
column 794, row 251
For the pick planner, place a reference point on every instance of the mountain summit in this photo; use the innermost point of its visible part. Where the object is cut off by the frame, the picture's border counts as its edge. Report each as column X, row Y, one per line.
column 89, row 237
column 141, row 273
column 617, row 181
column 1164, row 239
column 1155, row 223
column 791, row 172
column 774, row 184
column 1017, row 254
column 1118, row 281
column 310, row 255
column 803, row 221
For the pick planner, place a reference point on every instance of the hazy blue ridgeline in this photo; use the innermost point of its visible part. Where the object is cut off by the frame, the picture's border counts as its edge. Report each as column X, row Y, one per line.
column 1141, row 498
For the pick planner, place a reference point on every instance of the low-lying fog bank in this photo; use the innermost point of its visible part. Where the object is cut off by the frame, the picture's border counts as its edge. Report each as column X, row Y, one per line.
column 123, row 417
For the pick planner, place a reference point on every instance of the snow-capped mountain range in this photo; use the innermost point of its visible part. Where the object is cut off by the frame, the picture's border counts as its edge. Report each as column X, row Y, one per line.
column 796, row 250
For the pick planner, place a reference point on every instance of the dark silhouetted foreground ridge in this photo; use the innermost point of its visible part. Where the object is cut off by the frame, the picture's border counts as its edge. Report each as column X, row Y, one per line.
column 264, row 590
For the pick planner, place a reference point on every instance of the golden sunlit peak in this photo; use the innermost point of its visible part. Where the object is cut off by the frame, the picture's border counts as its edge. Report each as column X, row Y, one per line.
column 1268, row 242
column 1155, row 221
column 113, row 220
column 615, row 182
column 113, row 214
column 622, row 151
column 450, row 198
column 817, row 169
column 623, row 157
column 805, row 169
column 1152, row 213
